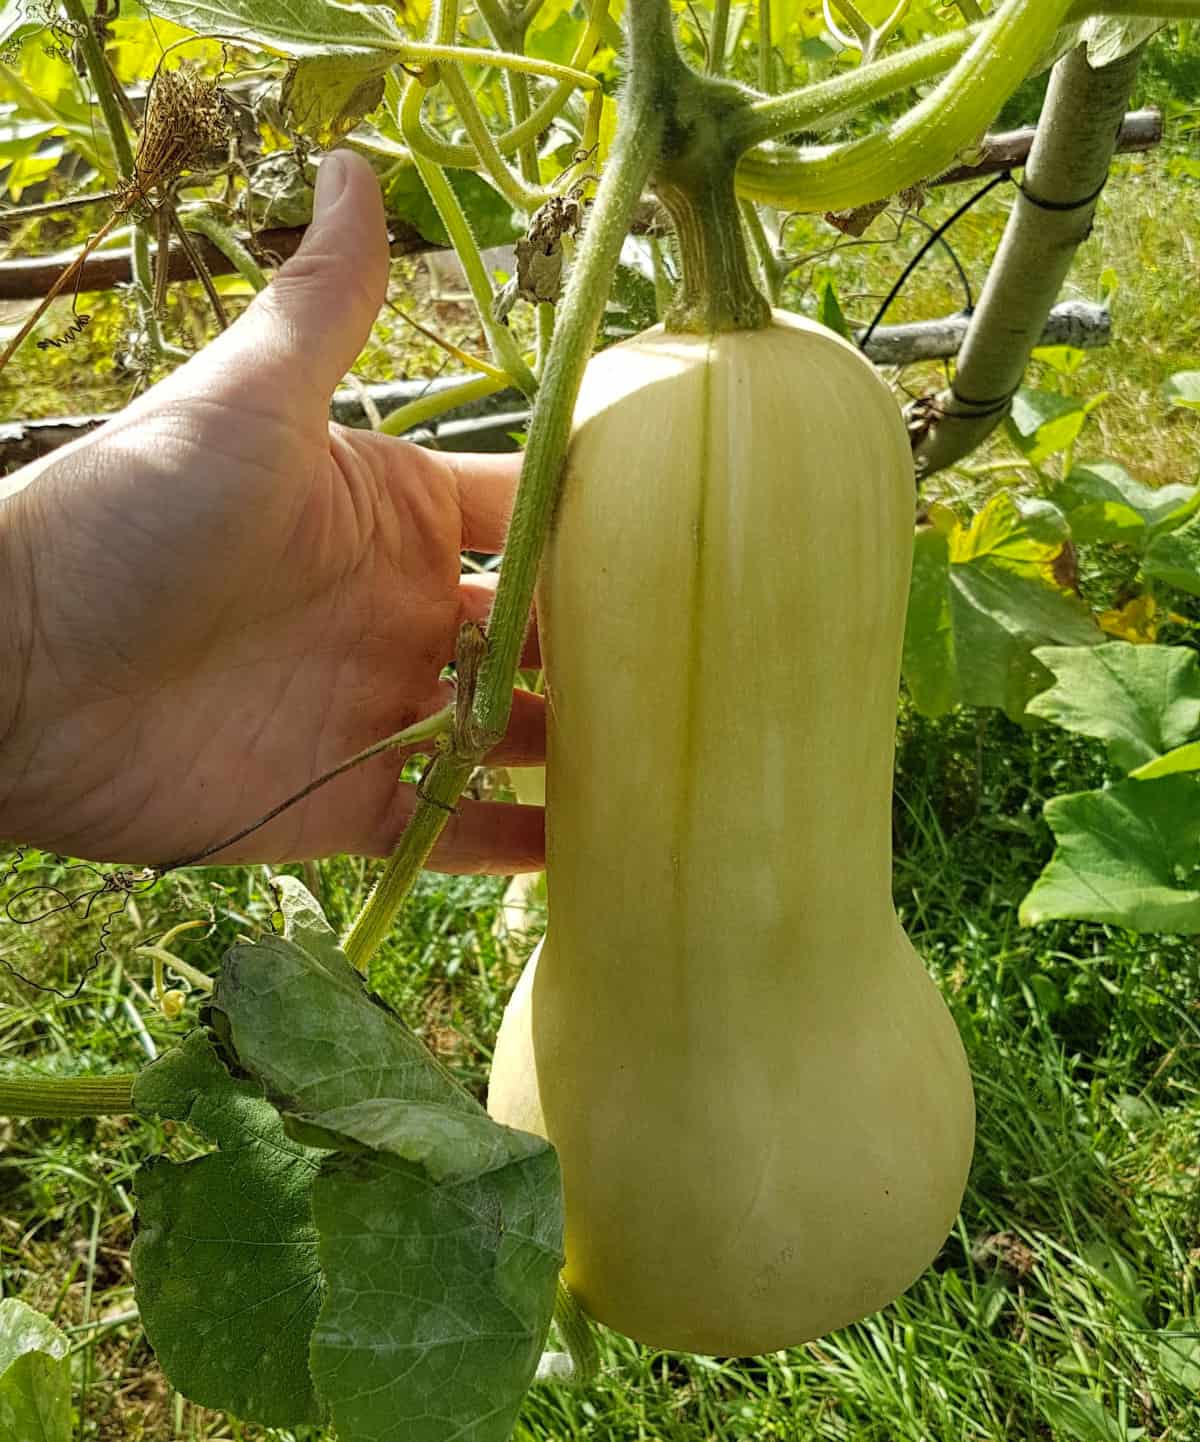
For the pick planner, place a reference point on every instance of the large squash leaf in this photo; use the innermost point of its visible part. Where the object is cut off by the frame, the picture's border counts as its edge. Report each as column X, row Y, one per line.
column 1143, row 700
column 435, row 1234
column 1175, row 558
column 984, row 597
column 35, row 1377
column 225, row 1260
column 1103, row 502
column 289, row 27
column 1129, row 855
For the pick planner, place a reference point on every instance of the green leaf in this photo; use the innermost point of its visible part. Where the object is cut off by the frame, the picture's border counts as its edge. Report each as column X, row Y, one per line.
column 439, row 1294
column 1103, row 502
column 440, row 1231
column 15, row 22
column 289, row 27
column 1041, row 423
column 983, row 598
column 1080, row 1417
column 829, row 310
column 227, row 1278
column 326, row 96
column 1129, row 856
column 35, row 1377
column 1142, row 700
column 1179, row 1353
column 929, row 662
column 1175, row 558
column 493, row 220
column 1117, row 1274
column 1109, row 38
column 1174, row 763
column 1183, row 389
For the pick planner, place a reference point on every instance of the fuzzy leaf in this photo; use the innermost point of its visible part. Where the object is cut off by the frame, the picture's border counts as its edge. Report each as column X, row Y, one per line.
column 440, row 1230
column 1108, row 38
column 289, row 27
column 1129, row 856
column 1179, row 1353
column 492, row 218
column 1103, row 502
column 1142, row 700
column 225, row 1261
column 1042, row 423
column 35, row 1377
column 324, row 97
column 1175, row 558
column 1183, row 389
column 1182, row 759
column 983, row 598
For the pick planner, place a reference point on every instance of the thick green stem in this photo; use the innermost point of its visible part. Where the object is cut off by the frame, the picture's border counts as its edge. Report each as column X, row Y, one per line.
column 499, row 337
column 857, row 21
column 578, row 1337
column 437, row 403
column 509, row 34
column 695, row 182
column 769, row 268
column 927, row 139
column 101, row 78
column 718, row 37
column 828, row 103
column 766, row 68
column 717, row 290
column 507, row 182
column 454, row 153
column 204, row 223
column 639, row 135
column 64, row 1097
column 822, row 106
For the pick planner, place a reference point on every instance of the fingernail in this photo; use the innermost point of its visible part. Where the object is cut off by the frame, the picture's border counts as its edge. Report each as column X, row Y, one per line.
column 331, row 181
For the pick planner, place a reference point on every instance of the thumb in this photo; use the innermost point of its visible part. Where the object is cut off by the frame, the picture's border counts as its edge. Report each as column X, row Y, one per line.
column 306, row 329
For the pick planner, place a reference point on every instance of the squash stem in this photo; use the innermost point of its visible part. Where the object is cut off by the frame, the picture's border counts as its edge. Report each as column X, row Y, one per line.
column 695, row 181
column 717, row 290
column 578, row 1336
column 64, row 1097
column 653, row 61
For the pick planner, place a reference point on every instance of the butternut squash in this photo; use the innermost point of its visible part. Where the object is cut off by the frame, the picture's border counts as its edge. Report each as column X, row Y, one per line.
column 759, row 1099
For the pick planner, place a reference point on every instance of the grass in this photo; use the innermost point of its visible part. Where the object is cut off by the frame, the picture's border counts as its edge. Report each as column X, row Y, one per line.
column 1046, row 1315
column 1064, row 1308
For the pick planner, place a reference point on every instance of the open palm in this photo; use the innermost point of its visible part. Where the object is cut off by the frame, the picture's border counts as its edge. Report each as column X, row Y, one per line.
column 220, row 596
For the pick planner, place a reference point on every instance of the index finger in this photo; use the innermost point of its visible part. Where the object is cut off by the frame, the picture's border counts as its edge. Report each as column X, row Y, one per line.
column 486, row 486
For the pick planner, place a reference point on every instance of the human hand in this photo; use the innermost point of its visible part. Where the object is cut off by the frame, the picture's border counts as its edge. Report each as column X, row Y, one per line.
column 218, row 596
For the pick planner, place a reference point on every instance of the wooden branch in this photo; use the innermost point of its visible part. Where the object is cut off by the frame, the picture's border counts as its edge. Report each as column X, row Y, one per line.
column 1075, row 323
column 1009, row 149
column 1051, row 217
column 484, row 425
column 30, row 279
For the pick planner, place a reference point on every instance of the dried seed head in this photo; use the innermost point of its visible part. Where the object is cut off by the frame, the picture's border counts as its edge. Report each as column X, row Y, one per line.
column 187, row 117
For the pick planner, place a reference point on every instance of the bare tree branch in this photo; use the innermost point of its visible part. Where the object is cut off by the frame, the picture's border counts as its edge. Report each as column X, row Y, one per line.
column 1051, row 217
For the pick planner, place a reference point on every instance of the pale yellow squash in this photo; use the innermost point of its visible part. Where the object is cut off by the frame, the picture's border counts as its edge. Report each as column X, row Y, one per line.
column 759, row 1099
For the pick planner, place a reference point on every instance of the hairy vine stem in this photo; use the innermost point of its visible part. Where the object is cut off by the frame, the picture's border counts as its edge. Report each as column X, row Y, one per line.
column 66, row 1097
column 635, row 150
column 929, row 136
